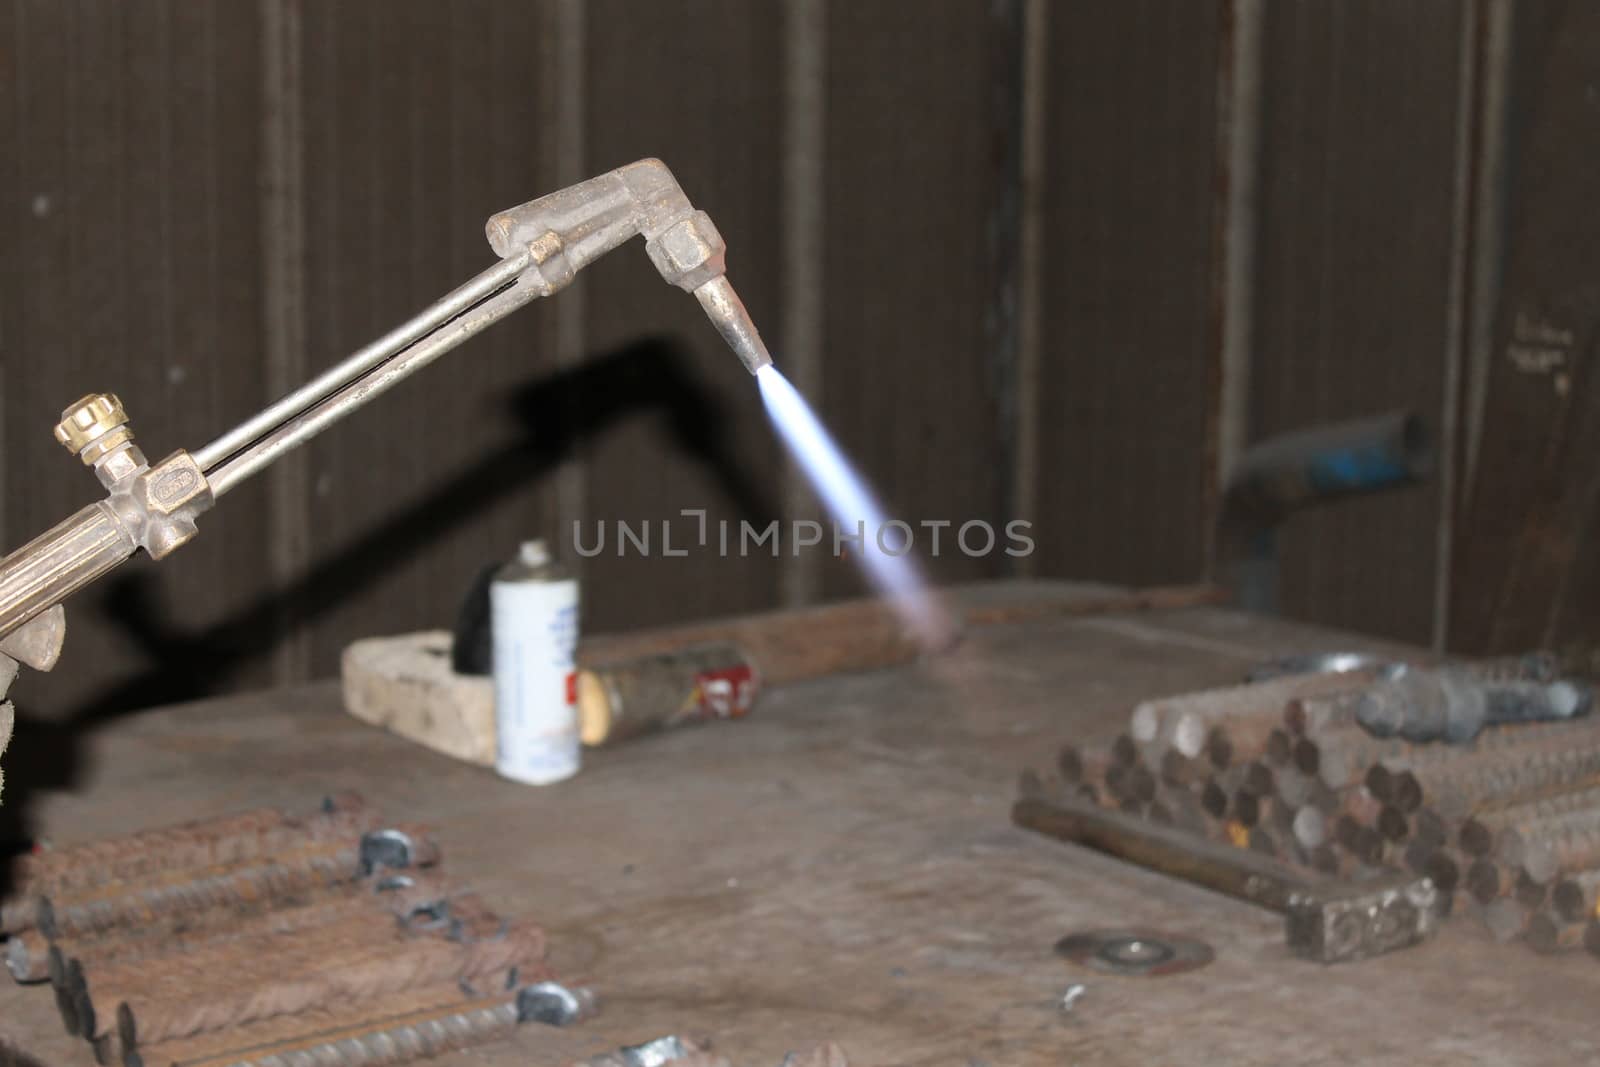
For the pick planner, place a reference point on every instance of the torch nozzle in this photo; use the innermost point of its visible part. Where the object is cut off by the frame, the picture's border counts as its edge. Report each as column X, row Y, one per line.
column 727, row 314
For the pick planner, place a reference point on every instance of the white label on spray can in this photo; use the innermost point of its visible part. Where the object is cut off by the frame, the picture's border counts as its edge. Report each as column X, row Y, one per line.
column 535, row 627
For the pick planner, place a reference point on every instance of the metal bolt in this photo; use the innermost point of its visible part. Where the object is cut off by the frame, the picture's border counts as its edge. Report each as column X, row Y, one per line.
column 1070, row 998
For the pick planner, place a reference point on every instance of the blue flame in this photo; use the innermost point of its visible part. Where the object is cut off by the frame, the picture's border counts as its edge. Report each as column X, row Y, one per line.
column 886, row 559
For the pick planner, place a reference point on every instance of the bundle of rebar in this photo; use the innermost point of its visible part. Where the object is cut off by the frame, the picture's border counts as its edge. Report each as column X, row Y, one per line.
column 1506, row 825
column 263, row 937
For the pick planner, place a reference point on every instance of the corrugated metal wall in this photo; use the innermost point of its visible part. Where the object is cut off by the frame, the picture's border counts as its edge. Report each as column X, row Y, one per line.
column 992, row 238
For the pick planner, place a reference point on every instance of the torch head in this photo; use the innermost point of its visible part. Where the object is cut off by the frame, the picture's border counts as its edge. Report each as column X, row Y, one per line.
column 569, row 229
column 691, row 254
column 727, row 313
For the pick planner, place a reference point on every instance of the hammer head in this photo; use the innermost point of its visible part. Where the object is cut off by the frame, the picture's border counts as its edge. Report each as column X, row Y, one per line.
column 1339, row 921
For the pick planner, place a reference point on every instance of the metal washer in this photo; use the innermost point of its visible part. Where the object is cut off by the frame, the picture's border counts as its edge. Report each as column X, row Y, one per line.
column 1135, row 953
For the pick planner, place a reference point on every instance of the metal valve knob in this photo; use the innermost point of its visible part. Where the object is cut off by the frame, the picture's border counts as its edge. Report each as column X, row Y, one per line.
column 93, row 426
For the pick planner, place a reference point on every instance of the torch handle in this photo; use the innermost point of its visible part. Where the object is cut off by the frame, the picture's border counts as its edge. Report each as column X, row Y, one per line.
column 59, row 562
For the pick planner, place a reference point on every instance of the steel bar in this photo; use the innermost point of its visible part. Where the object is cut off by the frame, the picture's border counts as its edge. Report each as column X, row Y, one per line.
column 1488, row 881
column 1569, row 843
column 1506, row 919
column 364, row 360
column 1574, row 896
column 1309, row 716
column 1504, row 828
column 300, row 429
column 323, row 1019
column 91, row 870
column 394, row 1041
column 311, row 867
column 347, row 905
column 1393, row 824
column 1547, row 933
column 1496, row 776
column 260, row 989
column 1184, row 722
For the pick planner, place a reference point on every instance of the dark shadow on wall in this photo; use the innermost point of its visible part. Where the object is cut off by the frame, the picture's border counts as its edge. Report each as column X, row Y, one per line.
column 556, row 414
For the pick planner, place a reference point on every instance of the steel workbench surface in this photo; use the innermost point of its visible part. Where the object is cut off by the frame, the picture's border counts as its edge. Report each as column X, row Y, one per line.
column 840, row 866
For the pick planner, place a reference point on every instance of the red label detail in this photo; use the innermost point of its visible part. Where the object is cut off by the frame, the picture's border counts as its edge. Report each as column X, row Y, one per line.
column 726, row 693
column 572, row 687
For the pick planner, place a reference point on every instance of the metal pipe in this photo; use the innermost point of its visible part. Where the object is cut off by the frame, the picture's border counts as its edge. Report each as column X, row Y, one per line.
column 1277, row 477
column 304, row 427
column 365, row 359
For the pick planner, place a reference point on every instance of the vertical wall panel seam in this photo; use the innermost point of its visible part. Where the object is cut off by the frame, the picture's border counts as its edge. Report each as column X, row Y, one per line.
column 803, row 224
column 1035, row 88
column 283, row 303
column 1457, row 311
column 1239, row 117
column 1488, row 226
column 568, row 67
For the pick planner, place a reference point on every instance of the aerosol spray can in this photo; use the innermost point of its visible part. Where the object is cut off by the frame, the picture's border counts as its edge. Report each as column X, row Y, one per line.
column 533, row 610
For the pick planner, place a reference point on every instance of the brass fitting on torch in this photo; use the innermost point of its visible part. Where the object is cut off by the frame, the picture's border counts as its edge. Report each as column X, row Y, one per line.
column 156, row 505
column 569, row 229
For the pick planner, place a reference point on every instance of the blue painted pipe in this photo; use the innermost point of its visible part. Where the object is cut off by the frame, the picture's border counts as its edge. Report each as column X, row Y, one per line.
column 1281, row 475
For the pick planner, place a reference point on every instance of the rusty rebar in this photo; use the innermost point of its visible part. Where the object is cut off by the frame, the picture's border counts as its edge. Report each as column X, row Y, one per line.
column 1324, row 860
column 1506, row 919
column 1508, row 826
column 1406, row 792
column 1497, row 776
column 1219, row 749
column 1244, row 807
column 1429, row 826
column 1343, row 757
column 346, row 904
column 261, row 987
column 1568, row 843
column 1488, row 881
column 1443, row 870
column 341, row 1019
column 1574, row 897
column 1279, row 749
column 202, row 843
column 1532, row 894
column 1548, row 933
column 1140, row 784
column 405, row 1039
column 1250, row 711
column 1305, row 716
column 1178, row 769
column 1417, row 854
column 1258, row 779
column 1214, row 799
column 1393, row 824
column 245, row 885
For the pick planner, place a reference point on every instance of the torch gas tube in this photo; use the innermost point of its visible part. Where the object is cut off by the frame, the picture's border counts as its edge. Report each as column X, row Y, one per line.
column 542, row 245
